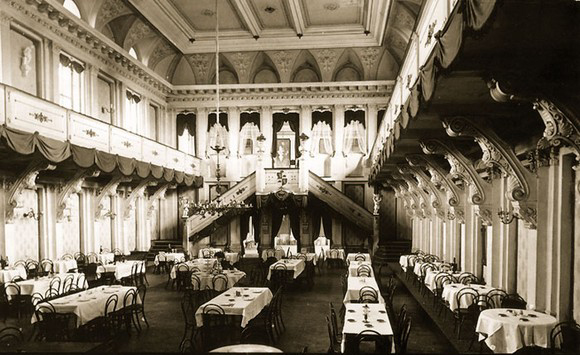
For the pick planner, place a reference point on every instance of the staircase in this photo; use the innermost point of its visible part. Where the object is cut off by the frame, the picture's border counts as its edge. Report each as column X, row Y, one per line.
column 391, row 251
column 240, row 192
column 341, row 203
column 163, row 245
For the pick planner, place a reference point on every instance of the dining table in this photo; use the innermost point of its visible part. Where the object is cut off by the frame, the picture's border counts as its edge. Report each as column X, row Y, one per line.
column 354, row 265
column 169, row 257
column 247, row 302
column 206, row 278
column 376, row 319
column 277, row 253
column 354, row 284
column 247, row 349
column 90, row 304
column 295, row 265
column 121, row 269
column 106, row 258
column 352, row 256
column 451, row 290
column 8, row 273
column 232, row 258
column 203, row 265
column 42, row 284
column 210, row 251
column 506, row 330
column 431, row 278
column 63, row 266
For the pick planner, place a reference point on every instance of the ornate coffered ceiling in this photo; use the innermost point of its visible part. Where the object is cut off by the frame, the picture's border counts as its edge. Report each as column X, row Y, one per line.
column 267, row 24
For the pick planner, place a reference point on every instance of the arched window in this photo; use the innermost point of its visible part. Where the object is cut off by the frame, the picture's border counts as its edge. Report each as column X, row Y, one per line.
column 72, row 7
column 133, row 53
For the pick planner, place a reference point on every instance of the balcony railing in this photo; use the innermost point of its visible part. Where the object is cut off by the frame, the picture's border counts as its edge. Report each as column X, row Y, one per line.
column 28, row 113
column 433, row 18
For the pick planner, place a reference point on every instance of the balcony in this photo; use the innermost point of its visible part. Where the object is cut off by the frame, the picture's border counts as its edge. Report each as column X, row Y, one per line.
column 24, row 113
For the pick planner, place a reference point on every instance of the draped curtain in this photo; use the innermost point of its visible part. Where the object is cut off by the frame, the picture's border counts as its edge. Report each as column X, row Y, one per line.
column 321, row 133
column 354, row 133
column 250, row 132
column 293, row 121
column 186, row 120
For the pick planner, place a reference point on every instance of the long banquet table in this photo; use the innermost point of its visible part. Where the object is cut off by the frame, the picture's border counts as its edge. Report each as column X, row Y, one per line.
column 249, row 304
column 8, row 273
column 203, row 265
column 90, row 304
column 42, row 284
column 354, row 284
column 63, row 266
column 507, row 330
column 120, row 269
column 377, row 320
column 354, row 265
column 351, row 257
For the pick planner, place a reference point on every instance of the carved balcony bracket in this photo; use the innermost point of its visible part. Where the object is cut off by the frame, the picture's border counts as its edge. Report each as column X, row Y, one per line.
column 25, row 180
column 425, row 184
column 527, row 212
column 421, row 198
column 159, row 194
column 72, row 186
column 560, row 129
column 496, row 153
column 138, row 191
column 439, row 178
column 459, row 214
column 108, row 190
column 461, row 168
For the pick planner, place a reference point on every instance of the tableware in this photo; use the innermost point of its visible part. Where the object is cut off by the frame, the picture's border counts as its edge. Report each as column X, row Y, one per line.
column 250, row 299
column 228, row 295
column 368, row 325
column 381, row 311
column 531, row 315
column 524, row 319
column 350, row 311
column 381, row 320
column 231, row 299
column 350, row 320
column 502, row 315
column 256, row 291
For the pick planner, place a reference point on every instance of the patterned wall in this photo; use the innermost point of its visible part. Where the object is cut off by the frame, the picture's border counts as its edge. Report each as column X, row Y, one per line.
column 104, row 226
column 71, row 238
column 130, row 228
column 352, row 236
column 388, row 216
column 22, row 235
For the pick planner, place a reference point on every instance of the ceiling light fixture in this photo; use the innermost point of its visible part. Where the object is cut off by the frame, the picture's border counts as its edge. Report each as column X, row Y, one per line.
column 191, row 40
column 299, row 35
column 256, row 37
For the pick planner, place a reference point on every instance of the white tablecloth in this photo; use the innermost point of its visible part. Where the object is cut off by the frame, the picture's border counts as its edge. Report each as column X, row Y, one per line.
column 8, row 274
column 89, row 304
column 106, row 258
column 403, row 261
column 249, row 304
column 203, row 265
column 507, row 332
column 296, row 265
column 450, row 292
column 232, row 257
column 278, row 254
column 377, row 317
column 121, row 269
column 340, row 254
column 430, row 278
column 211, row 251
column 354, row 284
column 350, row 257
column 354, row 265
column 175, row 257
column 63, row 266
column 206, row 278
column 41, row 285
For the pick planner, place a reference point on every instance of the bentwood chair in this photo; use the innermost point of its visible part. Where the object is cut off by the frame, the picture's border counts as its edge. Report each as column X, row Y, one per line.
column 401, row 347
column 496, row 297
column 367, row 294
column 124, row 316
column 565, row 338
column 363, row 271
column 367, row 341
column 466, row 300
column 188, row 307
column 15, row 299
column 53, row 326
column 334, row 345
column 513, row 301
column 360, row 257
column 219, row 282
column 139, row 308
column 10, row 338
column 218, row 328
column 468, row 278
column 46, row 267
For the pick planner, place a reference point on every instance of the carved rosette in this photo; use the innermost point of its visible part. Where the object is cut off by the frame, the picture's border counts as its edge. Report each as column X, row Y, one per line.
column 560, row 130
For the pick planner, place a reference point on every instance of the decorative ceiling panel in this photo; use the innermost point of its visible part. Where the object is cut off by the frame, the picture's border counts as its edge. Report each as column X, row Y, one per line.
column 271, row 14
column 333, row 12
column 201, row 14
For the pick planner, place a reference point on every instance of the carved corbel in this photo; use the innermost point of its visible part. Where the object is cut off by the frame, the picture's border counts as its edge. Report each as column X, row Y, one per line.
column 421, row 198
column 159, row 194
column 560, row 129
column 137, row 191
column 461, row 168
column 484, row 214
column 108, row 190
column 26, row 180
column 459, row 214
column 527, row 212
column 496, row 153
column 71, row 186
column 438, row 178
column 424, row 183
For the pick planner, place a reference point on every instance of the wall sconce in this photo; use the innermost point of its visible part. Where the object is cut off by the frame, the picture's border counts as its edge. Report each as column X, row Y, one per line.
column 32, row 214
column 261, row 139
column 505, row 216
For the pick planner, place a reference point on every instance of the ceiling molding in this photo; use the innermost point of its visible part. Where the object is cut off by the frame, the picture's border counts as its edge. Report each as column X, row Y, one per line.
column 247, row 16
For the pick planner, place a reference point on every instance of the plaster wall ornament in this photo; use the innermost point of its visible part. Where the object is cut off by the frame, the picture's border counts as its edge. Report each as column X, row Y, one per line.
column 326, row 59
column 242, row 62
column 527, row 212
column 25, row 60
column 284, row 61
column 200, row 65
column 377, row 198
column 109, row 10
column 461, row 168
column 162, row 50
column 26, row 180
column 110, row 189
column 368, row 57
column 560, row 129
column 72, row 186
column 484, row 214
column 138, row 31
column 496, row 153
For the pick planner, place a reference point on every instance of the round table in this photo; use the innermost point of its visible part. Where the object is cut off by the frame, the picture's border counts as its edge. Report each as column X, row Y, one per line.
column 507, row 330
column 247, row 348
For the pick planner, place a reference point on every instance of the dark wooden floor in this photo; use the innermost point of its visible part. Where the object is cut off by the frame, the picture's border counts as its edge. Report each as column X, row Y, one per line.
column 304, row 313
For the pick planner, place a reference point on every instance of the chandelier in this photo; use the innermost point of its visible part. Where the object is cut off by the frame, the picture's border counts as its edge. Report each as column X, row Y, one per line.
column 217, row 206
